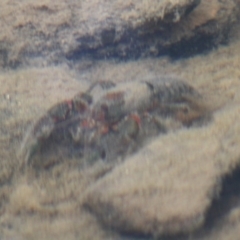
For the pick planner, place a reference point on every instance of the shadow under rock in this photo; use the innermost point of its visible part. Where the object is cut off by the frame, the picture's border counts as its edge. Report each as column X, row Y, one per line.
column 132, row 47
column 228, row 199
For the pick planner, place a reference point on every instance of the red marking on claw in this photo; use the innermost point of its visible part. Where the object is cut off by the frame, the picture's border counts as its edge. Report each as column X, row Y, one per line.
column 114, row 96
column 69, row 103
column 136, row 118
column 88, row 124
column 104, row 129
column 84, row 123
column 101, row 115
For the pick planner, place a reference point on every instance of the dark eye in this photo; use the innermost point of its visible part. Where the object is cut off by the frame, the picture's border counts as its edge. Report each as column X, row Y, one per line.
column 186, row 110
column 103, row 154
column 104, row 109
column 87, row 97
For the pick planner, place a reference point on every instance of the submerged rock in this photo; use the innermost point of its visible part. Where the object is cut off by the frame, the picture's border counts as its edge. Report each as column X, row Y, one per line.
column 41, row 33
column 168, row 187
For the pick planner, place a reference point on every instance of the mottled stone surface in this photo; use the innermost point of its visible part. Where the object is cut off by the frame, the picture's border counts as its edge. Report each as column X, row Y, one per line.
column 167, row 198
column 39, row 33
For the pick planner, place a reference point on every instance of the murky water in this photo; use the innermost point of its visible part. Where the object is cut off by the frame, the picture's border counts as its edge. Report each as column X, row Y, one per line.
column 172, row 181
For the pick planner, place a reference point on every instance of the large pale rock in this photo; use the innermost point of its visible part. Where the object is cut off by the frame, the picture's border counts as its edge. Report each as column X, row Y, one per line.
column 45, row 32
column 167, row 187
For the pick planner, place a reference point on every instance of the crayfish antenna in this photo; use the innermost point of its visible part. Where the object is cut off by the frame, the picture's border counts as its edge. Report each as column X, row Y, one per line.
column 38, row 132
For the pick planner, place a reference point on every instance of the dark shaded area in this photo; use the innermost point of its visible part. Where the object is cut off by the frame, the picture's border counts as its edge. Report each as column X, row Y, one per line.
column 141, row 237
column 200, row 44
column 146, row 42
column 3, row 56
column 228, row 199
